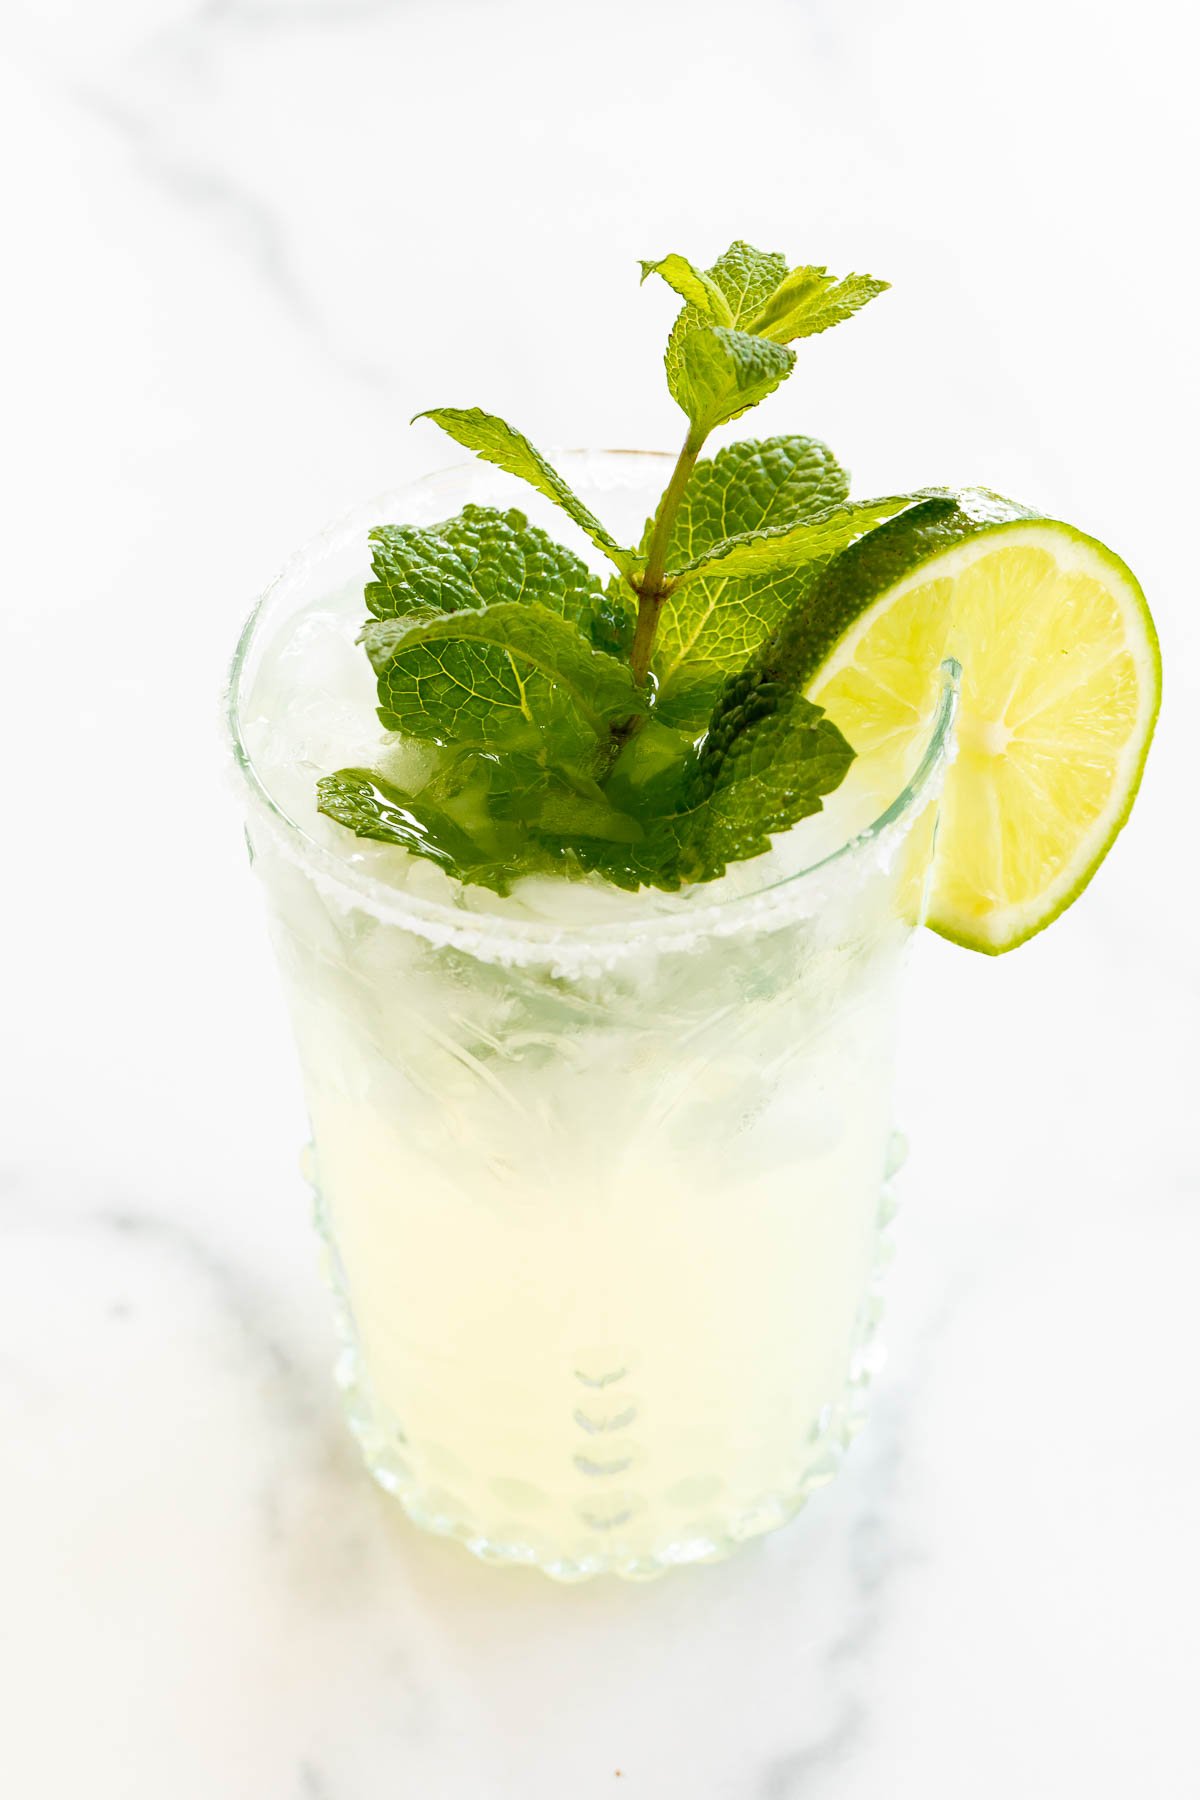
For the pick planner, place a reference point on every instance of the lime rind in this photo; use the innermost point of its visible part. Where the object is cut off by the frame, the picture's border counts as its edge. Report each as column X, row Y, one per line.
column 1073, row 553
column 997, row 946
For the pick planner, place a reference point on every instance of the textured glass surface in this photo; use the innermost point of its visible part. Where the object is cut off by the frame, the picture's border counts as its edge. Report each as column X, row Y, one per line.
column 601, row 1201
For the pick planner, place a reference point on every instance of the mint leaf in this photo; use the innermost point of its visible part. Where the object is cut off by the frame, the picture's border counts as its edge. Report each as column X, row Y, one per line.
column 708, row 628
column 372, row 807
column 747, row 277
column 512, row 675
column 768, row 760
column 809, row 300
column 747, row 293
column 481, row 556
column 498, row 443
column 776, row 549
column 715, row 373
column 483, row 818
column 693, row 285
column 688, row 691
column 714, row 370
column 610, row 620
column 484, row 556
column 751, row 485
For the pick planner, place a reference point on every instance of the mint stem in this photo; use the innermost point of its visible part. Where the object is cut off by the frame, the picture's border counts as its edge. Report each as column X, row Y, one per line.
column 650, row 590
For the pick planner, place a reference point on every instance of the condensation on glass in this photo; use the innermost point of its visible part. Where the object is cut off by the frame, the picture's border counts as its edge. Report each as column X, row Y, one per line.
column 602, row 1203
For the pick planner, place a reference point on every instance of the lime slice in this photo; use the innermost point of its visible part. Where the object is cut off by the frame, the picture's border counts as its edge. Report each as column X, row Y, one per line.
column 1061, row 685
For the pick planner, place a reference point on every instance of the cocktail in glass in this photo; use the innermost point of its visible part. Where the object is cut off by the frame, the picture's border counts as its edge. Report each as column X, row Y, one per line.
column 601, row 1176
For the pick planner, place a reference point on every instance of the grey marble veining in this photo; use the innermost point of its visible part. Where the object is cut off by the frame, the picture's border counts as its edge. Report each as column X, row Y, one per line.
column 238, row 1297
column 287, row 14
column 253, row 226
column 251, row 239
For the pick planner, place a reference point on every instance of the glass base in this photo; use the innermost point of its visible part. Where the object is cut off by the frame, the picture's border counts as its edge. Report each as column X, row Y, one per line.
column 388, row 1456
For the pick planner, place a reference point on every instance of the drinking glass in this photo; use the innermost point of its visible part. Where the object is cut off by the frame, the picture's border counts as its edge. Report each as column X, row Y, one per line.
column 601, row 1188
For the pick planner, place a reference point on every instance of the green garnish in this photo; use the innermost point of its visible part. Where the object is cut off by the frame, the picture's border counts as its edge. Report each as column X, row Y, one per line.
column 641, row 727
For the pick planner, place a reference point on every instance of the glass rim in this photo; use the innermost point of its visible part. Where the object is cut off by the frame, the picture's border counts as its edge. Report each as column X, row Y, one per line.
column 355, row 886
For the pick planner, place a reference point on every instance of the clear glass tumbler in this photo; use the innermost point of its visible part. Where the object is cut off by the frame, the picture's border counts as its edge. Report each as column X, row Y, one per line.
column 602, row 1197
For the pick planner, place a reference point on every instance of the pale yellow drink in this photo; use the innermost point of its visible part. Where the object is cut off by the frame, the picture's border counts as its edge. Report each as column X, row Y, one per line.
column 601, row 1174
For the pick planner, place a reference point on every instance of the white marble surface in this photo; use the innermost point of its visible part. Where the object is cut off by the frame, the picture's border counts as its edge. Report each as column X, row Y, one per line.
column 250, row 238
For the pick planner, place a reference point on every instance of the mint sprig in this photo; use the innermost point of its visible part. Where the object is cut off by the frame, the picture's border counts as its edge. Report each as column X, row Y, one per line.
column 483, row 556
column 711, row 626
column 630, row 728
column 512, row 675
column 809, row 300
column 498, row 443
